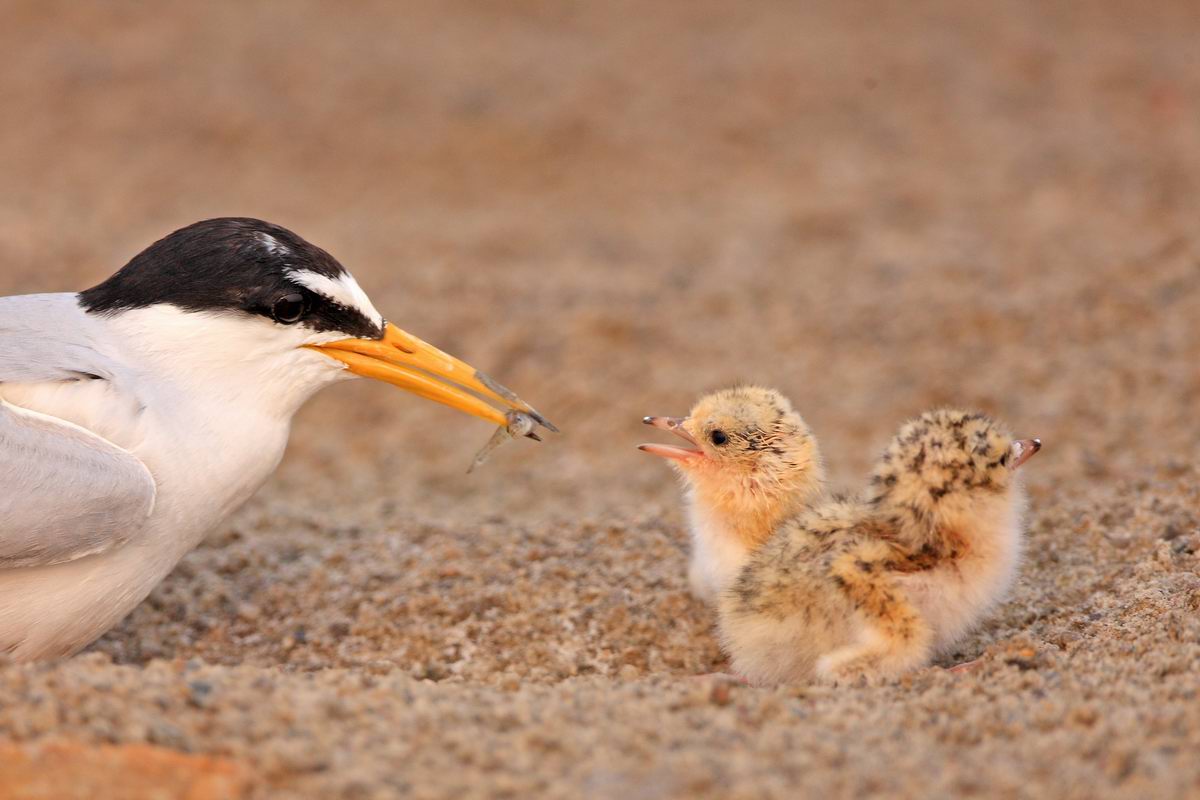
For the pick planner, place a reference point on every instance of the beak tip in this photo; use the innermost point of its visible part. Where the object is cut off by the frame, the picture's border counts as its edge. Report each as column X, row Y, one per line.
column 1024, row 450
column 545, row 423
column 647, row 420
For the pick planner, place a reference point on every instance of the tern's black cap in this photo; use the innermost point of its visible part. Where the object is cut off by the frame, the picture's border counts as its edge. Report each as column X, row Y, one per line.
column 231, row 264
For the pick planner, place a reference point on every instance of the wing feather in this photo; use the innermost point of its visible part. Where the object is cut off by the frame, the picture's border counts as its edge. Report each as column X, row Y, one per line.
column 47, row 338
column 65, row 492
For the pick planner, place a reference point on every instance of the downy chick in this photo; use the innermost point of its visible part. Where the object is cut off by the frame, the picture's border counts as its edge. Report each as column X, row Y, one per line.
column 867, row 589
column 752, row 462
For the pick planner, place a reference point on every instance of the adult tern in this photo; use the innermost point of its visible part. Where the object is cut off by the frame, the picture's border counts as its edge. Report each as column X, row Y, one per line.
column 137, row 415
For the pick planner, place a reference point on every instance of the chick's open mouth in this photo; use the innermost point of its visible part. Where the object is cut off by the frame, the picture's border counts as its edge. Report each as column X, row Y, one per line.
column 675, row 426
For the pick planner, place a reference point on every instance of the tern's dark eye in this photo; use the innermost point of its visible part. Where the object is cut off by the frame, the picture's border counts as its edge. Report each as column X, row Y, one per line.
column 289, row 308
column 718, row 437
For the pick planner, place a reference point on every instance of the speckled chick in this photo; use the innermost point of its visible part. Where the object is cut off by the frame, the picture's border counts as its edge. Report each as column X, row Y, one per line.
column 864, row 590
column 751, row 463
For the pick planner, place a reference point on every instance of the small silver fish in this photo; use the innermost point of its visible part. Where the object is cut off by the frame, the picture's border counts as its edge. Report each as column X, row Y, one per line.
column 510, row 395
column 519, row 424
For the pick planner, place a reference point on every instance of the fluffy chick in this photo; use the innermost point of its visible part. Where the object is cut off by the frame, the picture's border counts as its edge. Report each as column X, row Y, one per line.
column 864, row 590
column 751, row 463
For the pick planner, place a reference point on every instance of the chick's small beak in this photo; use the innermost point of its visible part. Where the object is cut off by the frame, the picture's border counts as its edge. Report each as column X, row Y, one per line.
column 1024, row 450
column 675, row 426
column 403, row 360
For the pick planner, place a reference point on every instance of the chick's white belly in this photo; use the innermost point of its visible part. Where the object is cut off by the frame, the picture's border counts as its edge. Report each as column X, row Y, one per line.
column 953, row 599
column 717, row 557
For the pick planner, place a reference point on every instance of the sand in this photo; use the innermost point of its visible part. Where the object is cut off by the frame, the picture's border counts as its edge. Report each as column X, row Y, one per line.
column 612, row 208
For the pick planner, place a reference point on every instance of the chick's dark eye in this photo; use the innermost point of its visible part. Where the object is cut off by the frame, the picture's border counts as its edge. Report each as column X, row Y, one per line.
column 718, row 437
column 288, row 309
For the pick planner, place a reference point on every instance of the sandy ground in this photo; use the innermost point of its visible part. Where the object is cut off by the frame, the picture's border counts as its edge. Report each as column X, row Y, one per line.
column 612, row 207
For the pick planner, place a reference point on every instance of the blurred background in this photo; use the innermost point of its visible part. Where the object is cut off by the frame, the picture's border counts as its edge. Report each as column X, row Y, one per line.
column 612, row 207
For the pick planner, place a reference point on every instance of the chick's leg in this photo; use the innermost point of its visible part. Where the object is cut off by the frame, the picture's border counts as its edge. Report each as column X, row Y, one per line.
column 895, row 638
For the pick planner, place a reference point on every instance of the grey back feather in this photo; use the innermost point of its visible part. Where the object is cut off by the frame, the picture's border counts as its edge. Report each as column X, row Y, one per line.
column 48, row 337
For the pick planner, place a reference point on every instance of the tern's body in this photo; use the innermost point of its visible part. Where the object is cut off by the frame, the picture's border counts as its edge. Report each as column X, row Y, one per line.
column 206, row 442
column 136, row 416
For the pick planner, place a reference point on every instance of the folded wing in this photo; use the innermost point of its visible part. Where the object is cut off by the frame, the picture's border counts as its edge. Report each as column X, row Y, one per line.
column 65, row 493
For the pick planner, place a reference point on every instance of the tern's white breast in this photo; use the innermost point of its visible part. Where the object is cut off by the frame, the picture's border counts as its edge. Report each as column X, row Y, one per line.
column 206, row 404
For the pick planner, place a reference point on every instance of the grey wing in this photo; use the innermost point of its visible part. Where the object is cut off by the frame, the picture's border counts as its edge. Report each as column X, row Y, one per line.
column 65, row 493
column 48, row 337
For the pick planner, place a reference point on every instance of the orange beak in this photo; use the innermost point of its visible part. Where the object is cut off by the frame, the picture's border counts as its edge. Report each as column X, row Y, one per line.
column 403, row 360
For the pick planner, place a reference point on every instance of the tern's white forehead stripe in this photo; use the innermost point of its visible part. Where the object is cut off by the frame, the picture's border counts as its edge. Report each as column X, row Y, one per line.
column 273, row 245
column 343, row 290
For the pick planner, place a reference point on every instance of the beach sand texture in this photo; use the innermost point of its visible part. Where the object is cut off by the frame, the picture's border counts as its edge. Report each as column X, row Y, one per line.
column 613, row 207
